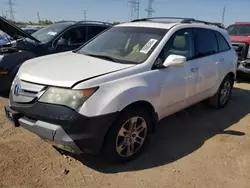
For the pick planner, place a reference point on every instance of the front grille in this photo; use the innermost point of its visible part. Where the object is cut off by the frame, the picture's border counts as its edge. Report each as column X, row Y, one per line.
column 241, row 49
column 26, row 92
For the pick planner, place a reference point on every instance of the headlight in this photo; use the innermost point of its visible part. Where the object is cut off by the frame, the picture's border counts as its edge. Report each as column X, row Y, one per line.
column 248, row 53
column 68, row 97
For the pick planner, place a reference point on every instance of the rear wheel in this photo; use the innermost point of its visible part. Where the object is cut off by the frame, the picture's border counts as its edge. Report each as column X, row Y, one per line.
column 128, row 136
column 220, row 99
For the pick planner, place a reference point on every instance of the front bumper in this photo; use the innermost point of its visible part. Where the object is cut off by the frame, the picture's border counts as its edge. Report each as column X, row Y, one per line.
column 63, row 126
column 244, row 66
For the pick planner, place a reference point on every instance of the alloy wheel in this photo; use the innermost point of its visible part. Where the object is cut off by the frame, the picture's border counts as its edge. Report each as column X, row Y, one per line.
column 131, row 136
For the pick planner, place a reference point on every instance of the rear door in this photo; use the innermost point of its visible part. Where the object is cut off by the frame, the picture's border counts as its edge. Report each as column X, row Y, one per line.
column 207, row 55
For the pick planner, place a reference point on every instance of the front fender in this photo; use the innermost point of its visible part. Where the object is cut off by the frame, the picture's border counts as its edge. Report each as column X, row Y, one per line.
column 115, row 97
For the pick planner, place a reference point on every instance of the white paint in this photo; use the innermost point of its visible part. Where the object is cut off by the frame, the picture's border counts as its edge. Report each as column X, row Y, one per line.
column 168, row 90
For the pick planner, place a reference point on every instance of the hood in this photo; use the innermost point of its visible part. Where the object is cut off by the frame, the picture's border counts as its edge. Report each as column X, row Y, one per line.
column 65, row 69
column 240, row 39
column 14, row 31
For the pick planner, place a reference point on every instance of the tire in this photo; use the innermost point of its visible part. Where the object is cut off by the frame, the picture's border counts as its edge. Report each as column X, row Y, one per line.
column 119, row 140
column 221, row 98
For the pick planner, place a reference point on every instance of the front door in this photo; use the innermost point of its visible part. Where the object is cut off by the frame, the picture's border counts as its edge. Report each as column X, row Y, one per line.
column 75, row 37
column 180, row 83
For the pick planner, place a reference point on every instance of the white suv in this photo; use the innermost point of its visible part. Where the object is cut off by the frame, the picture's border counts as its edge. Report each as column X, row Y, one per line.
column 107, row 96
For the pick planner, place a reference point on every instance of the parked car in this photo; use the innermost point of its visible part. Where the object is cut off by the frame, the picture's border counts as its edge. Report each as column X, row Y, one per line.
column 240, row 37
column 4, row 38
column 59, row 37
column 107, row 96
column 30, row 30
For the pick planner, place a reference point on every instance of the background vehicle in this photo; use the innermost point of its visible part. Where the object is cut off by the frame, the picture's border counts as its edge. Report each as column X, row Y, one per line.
column 240, row 37
column 111, row 92
column 4, row 38
column 59, row 37
column 31, row 30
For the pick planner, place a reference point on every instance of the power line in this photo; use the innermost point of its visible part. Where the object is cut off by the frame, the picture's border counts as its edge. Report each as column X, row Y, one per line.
column 150, row 9
column 134, row 9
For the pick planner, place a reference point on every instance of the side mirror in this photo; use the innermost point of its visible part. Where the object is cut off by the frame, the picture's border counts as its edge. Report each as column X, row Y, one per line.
column 174, row 61
column 62, row 42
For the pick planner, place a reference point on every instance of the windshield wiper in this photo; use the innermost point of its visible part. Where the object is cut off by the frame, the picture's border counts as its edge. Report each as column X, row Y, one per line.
column 104, row 57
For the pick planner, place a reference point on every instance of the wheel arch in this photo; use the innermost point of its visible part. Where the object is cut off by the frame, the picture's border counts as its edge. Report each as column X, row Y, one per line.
column 149, row 108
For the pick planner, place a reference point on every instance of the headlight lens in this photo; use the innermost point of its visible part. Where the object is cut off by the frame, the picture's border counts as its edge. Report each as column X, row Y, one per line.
column 248, row 53
column 68, row 97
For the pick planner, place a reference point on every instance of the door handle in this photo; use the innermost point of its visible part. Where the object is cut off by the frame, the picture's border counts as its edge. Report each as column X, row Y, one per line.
column 222, row 60
column 194, row 69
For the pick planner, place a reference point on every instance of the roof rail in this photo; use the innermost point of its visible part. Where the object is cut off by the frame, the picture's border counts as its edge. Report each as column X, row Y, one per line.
column 95, row 22
column 181, row 20
column 167, row 19
column 65, row 21
column 204, row 22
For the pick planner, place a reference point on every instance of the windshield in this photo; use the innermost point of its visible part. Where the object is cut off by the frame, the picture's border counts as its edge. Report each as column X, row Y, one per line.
column 125, row 44
column 45, row 34
column 239, row 30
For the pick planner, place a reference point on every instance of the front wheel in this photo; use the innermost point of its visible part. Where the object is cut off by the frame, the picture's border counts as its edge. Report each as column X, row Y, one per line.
column 128, row 136
column 220, row 99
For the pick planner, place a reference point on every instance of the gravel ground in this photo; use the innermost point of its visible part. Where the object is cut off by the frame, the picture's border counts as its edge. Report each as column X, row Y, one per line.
column 198, row 147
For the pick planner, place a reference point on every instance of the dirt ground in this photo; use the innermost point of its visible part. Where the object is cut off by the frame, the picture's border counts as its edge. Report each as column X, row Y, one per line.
column 199, row 147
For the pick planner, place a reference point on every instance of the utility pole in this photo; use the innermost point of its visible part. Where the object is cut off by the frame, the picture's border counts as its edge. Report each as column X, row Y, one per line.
column 85, row 15
column 6, row 14
column 38, row 17
column 223, row 14
column 134, row 9
column 3, row 15
column 150, row 9
column 11, row 11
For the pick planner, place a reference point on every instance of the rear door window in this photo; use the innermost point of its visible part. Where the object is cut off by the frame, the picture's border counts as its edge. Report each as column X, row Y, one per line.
column 206, row 43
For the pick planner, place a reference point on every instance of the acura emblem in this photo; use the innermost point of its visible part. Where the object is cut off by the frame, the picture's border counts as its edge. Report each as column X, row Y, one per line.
column 17, row 89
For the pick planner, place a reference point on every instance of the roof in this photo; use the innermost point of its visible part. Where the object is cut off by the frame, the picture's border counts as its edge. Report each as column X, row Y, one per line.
column 147, row 24
column 242, row 23
column 84, row 22
column 168, row 22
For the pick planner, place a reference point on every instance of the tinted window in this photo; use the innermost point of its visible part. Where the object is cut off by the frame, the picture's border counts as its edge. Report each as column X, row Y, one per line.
column 94, row 30
column 206, row 43
column 75, row 35
column 180, row 43
column 223, row 45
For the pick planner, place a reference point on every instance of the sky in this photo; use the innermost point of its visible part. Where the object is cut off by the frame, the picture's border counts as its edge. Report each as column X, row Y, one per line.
column 119, row 10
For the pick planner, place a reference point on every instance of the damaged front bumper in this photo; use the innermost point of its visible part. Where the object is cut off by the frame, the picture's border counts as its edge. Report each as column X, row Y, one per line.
column 244, row 66
column 61, row 126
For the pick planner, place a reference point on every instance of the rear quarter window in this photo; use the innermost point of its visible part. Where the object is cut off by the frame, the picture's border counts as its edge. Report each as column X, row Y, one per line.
column 222, row 42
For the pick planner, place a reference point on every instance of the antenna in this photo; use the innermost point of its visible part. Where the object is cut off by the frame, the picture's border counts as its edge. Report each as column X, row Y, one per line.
column 150, row 9
column 223, row 14
column 134, row 8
